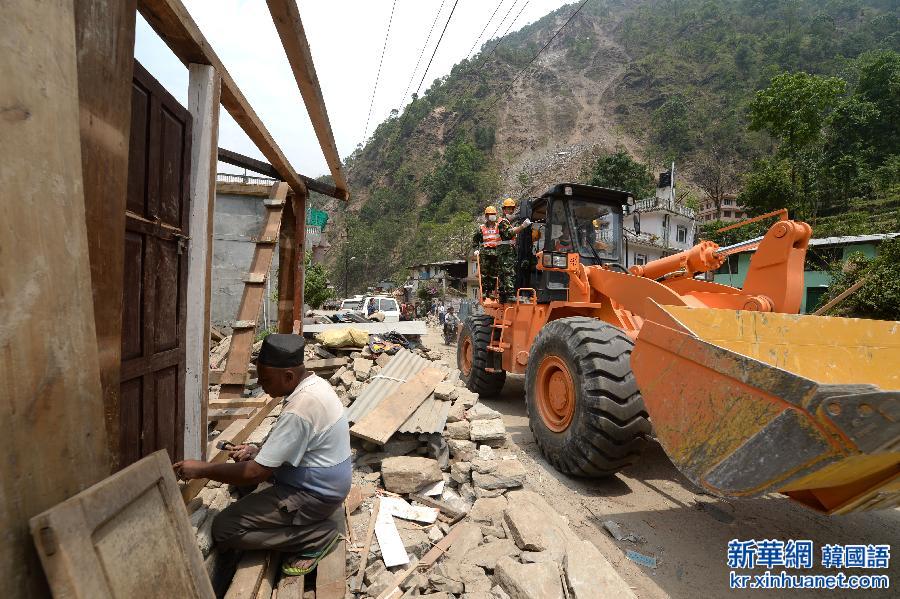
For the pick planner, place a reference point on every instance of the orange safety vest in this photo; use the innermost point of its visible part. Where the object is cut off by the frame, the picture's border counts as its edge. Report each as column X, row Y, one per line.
column 490, row 236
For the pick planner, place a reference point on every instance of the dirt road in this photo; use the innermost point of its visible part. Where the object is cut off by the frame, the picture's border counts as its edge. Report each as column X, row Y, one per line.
column 684, row 529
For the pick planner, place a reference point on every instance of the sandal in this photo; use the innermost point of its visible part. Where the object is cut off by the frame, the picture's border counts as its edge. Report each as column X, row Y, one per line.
column 289, row 570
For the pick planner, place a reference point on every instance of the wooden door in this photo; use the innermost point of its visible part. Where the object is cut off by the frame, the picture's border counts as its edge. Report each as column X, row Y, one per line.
column 154, row 292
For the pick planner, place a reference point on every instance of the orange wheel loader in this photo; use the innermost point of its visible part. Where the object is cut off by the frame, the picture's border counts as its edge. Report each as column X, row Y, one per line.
column 745, row 396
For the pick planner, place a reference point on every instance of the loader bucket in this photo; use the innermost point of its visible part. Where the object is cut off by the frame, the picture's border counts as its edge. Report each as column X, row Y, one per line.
column 746, row 403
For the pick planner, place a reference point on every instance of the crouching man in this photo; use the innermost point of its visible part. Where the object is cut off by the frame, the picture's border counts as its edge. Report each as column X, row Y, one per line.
column 307, row 458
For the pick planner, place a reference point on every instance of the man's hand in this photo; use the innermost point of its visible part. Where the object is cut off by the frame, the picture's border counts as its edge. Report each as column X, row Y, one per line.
column 188, row 469
column 526, row 222
column 242, row 453
column 475, row 253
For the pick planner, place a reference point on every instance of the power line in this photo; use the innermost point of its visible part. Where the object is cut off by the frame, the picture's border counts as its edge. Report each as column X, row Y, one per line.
column 475, row 43
column 427, row 39
column 539, row 52
column 437, row 46
column 500, row 24
column 378, row 75
column 523, row 69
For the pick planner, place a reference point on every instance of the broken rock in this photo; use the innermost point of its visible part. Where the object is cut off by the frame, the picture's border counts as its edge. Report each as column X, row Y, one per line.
column 362, row 367
column 457, row 412
column 461, row 450
column 482, row 412
column 458, row 430
column 589, row 575
column 467, row 539
column 445, row 391
column 466, row 397
column 507, row 475
column 487, row 555
column 347, row 379
column 460, row 472
column 336, row 377
column 535, row 526
column 406, row 474
column 492, row 432
column 529, row 581
column 488, row 509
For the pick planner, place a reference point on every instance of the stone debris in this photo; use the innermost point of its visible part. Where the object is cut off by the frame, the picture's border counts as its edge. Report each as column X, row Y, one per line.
column 506, row 543
column 407, row 474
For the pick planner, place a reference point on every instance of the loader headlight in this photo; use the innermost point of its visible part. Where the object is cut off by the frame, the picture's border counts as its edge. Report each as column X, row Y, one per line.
column 560, row 260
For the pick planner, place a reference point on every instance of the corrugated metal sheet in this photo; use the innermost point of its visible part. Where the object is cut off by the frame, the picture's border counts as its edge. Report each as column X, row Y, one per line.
column 430, row 417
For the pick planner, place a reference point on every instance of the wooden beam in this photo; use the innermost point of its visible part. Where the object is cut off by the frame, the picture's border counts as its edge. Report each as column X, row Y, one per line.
column 174, row 24
column 204, row 87
column 104, row 38
column 249, row 575
column 264, row 168
column 299, row 266
column 287, row 21
column 331, row 573
column 356, row 585
column 51, row 403
column 287, row 250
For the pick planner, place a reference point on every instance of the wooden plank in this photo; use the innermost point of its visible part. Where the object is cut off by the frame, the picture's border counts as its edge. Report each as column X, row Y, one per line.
column 88, row 544
column 439, row 549
column 230, row 157
column 236, row 432
column 384, row 419
column 290, row 587
column 356, row 585
column 204, row 88
column 287, row 21
column 267, row 584
column 249, row 575
column 104, row 38
column 399, row 579
column 331, row 573
column 230, row 414
column 238, row 360
column 243, row 402
column 445, row 508
column 172, row 22
column 842, row 296
column 51, row 405
column 220, row 377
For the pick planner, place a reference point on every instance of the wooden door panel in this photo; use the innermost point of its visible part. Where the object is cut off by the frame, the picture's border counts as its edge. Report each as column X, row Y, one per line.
column 155, row 281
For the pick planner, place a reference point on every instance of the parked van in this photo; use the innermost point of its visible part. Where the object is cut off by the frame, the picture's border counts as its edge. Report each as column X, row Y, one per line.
column 352, row 304
column 381, row 303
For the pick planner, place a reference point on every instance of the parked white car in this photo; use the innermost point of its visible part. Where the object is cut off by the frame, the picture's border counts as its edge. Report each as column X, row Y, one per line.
column 352, row 304
column 381, row 303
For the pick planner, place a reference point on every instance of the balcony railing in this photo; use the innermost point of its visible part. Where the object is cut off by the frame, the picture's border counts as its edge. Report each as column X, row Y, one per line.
column 243, row 179
column 648, row 204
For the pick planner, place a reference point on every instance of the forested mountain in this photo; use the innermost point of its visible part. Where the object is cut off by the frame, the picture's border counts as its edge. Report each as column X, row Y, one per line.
column 696, row 81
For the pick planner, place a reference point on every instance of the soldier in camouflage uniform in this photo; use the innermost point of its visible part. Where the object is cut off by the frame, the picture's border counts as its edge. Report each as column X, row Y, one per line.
column 487, row 241
column 507, row 251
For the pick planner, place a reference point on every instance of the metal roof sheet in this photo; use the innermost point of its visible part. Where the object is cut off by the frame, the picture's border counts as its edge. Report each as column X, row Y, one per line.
column 430, row 417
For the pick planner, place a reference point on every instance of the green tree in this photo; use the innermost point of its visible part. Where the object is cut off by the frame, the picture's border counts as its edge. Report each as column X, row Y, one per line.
column 673, row 128
column 315, row 283
column 793, row 109
column 620, row 171
column 879, row 296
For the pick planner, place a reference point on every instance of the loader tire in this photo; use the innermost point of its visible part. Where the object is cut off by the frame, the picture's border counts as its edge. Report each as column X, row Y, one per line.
column 473, row 357
column 584, row 407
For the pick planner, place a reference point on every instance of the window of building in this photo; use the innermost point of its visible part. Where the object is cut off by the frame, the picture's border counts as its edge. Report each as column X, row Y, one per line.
column 640, row 259
column 681, row 234
column 727, row 213
column 814, row 297
column 726, row 202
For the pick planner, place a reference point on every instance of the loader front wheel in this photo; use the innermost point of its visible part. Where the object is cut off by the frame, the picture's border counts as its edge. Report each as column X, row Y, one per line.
column 584, row 408
column 474, row 358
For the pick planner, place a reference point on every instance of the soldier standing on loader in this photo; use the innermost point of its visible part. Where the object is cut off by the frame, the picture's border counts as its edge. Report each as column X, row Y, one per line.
column 486, row 241
column 507, row 252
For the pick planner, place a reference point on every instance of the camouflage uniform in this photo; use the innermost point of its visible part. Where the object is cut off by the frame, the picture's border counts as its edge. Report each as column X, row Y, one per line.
column 506, row 266
column 497, row 262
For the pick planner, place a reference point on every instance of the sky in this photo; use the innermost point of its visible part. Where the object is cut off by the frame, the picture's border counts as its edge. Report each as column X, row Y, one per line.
column 346, row 38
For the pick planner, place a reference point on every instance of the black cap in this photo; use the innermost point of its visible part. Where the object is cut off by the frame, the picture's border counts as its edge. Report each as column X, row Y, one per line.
column 281, row 351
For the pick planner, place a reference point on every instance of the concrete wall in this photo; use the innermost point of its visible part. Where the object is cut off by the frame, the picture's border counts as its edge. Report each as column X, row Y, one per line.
column 238, row 220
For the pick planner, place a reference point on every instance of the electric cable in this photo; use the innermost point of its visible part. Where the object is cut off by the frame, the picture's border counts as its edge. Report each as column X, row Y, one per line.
column 483, row 29
column 378, row 74
column 437, row 46
column 422, row 52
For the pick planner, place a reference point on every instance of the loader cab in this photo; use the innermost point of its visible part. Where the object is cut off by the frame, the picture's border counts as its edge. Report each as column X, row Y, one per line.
column 570, row 218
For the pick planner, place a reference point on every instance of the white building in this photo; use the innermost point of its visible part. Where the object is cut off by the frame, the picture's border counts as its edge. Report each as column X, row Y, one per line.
column 666, row 226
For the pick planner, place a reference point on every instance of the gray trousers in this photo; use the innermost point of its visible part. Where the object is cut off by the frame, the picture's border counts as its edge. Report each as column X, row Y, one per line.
column 291, row 521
